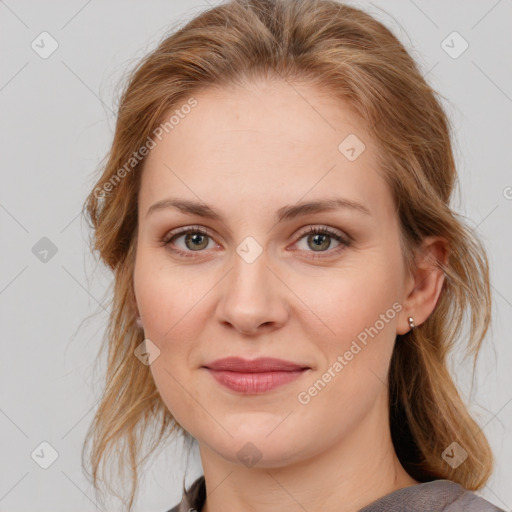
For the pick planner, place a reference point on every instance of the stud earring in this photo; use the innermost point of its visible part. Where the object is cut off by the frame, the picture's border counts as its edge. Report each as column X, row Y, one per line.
column 139, row 322
column 411, row 323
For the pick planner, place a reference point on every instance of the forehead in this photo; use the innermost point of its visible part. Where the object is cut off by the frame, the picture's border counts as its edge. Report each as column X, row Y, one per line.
column 265, row 144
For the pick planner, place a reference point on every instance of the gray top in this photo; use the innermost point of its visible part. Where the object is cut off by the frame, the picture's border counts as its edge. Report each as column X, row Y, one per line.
column 435, row 496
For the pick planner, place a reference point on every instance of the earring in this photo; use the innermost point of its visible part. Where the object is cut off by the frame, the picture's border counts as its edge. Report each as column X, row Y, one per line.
column 411, row 323
column 139, row 322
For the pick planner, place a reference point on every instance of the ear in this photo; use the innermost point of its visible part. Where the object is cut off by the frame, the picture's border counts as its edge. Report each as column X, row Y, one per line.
column 138, row 319
column 132, row 301
column 424, row 286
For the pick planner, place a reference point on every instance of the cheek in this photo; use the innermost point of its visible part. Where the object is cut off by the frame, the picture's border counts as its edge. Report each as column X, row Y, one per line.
column 358, row 308
column 168, row 303
column 348, row 299
column 168, row 296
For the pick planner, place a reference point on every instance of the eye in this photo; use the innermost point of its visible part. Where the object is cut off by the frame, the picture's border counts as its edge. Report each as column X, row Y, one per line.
column 195, row 239
column 319, row 239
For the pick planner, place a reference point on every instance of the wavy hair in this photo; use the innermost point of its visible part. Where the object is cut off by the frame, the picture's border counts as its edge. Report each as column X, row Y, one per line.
column 357, row 59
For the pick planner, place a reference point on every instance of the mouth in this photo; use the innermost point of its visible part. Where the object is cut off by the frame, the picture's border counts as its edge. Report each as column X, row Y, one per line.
column 254, row 376
column 260, row 365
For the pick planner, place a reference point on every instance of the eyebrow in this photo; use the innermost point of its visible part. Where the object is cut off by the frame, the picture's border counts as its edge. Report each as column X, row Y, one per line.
column 284, row 213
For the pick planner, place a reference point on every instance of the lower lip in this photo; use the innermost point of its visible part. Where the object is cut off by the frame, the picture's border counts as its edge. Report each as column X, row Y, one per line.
column 252, row 383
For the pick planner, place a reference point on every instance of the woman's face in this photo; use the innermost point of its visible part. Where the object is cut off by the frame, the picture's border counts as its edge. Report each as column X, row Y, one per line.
column 255, row 283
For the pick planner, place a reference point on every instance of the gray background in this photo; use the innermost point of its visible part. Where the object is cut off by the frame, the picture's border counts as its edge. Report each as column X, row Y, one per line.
column 57, row 122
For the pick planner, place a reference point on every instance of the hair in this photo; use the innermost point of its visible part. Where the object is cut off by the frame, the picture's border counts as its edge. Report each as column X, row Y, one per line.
column 354, row 57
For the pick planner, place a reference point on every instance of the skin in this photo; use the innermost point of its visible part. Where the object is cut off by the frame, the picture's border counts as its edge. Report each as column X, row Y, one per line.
column 247, row 152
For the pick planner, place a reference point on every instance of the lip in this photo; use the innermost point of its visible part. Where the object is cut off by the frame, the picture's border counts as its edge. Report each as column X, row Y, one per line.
column 254, row 376
column 260, row 365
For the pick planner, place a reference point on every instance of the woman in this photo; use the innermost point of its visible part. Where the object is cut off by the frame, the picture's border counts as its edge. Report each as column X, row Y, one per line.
column 289, row 276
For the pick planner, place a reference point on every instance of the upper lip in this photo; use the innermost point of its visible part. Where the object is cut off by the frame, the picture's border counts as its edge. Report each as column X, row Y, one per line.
column 262, row 364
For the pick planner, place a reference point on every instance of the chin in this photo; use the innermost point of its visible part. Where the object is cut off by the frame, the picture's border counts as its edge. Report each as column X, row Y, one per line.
column 256, row 448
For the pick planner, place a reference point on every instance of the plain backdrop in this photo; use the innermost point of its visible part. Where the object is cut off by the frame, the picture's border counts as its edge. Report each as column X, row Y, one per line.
column 57, row 119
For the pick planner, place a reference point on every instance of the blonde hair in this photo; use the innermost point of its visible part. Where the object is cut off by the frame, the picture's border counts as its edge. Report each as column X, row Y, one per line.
column 358, row 60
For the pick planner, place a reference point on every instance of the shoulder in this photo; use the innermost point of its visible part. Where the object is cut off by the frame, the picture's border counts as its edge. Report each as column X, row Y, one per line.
column 438, row 496
column 435, row 496
column 469, row 501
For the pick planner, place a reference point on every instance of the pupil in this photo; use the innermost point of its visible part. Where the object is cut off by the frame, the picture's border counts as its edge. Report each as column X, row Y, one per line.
column 197, row 240
column 319, row 240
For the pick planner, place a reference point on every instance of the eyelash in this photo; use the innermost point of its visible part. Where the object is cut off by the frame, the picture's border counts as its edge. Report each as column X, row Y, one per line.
column 344, row 241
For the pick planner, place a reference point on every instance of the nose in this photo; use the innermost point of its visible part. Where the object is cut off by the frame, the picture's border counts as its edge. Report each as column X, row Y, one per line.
column 253, row 298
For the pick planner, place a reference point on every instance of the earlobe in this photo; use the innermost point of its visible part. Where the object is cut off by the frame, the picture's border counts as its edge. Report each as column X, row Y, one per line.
column 138, row 319
column 426, row 284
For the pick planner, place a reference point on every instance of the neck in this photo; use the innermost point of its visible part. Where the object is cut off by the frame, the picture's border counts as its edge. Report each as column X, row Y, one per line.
column 355, row 471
